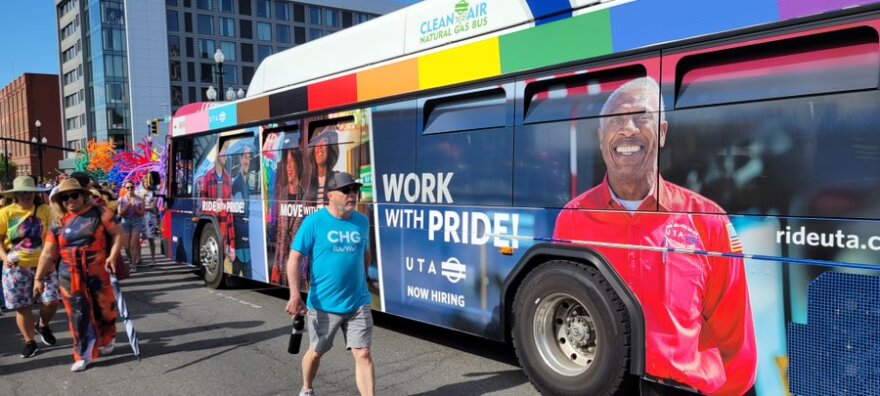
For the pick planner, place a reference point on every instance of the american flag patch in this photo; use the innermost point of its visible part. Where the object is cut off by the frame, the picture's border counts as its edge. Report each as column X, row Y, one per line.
column 735, row 244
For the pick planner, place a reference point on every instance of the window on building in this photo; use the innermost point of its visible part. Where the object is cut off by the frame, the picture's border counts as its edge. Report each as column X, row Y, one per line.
column 247, row 29
column 206, row 49
column 187, row 3
column 172, row 3
column 112, row 13
column 244, row 7
column 227, row 27
column 205, row 5
column 171, row 20
column 247, row 73
column 226, row 6
column 315, row 15
column 247, row 52
column 263, row 52
column 314, row 34
column 346, row 19
column 174, row 46
column 361, row 18
column 191, row 95
column 114, row 39
column 263, row 8
column 115, row 92
column 282, row 33
column 206, row 24
column 207, row 72
column 190, row 47
column 190, row 72
column 282, row 10
column 264, row 31
column 228, row 49
column 299, row 13
column 299, row 34
column 176, row 95
column 331, row 17
column 174, row 70
column 230, row 75
column 187, row 22
column 114, row 66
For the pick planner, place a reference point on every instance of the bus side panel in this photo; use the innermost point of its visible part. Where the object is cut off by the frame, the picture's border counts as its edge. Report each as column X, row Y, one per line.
column 183, row 227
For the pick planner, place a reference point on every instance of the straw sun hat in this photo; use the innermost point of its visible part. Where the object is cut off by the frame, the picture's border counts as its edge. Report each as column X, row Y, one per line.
column 23, row 184
column 68, row 186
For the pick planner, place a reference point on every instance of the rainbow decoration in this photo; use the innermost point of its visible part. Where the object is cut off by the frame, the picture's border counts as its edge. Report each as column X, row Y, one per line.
column 104, row 164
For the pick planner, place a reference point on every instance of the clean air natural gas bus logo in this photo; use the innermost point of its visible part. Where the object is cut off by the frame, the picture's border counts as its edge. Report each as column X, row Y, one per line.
column 464, row 17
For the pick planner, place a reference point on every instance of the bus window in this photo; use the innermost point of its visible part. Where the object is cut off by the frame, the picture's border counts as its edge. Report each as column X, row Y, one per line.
column 573, row 95
column 838, row 61
column 485, row 108
column 182, row 167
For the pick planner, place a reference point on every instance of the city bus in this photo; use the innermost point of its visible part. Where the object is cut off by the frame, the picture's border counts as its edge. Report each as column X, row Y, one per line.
column 638, row 196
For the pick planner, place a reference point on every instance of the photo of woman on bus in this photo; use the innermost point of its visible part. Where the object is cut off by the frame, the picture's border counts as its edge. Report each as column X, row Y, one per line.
column 323, row 154
column 289, row 187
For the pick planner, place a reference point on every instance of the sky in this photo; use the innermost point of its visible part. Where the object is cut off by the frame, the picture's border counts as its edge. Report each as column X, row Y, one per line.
column 28, row 38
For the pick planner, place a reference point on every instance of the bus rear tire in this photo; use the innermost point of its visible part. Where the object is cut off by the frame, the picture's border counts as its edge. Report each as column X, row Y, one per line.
column 571, row 331
column 211, row 257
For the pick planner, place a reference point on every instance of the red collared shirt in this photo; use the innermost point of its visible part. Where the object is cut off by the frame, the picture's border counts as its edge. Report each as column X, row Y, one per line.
column 698, row 320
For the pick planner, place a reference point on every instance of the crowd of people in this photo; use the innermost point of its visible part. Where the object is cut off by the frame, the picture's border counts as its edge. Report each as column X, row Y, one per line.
column 60, row 241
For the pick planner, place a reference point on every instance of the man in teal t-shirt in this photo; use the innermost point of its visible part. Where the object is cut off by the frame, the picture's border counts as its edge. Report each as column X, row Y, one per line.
column 337, row 240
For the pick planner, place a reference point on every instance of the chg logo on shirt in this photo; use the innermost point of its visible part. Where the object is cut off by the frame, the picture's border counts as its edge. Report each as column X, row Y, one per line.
column 344, row 241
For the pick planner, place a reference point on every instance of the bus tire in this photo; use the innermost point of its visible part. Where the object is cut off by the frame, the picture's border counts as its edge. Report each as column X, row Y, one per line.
column 571, row 331
column 211, row 257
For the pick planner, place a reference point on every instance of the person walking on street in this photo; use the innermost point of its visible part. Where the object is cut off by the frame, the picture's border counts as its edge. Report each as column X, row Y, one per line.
column 84, row 274
column 23, row 228
column 151, row 219
column 336, row 239
column 131, row 211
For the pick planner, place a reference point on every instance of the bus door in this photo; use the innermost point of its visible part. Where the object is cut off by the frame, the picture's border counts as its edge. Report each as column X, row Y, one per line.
column 243, row 205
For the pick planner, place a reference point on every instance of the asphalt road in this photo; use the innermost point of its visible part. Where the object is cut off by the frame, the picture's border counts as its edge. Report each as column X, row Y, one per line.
column 197, row 341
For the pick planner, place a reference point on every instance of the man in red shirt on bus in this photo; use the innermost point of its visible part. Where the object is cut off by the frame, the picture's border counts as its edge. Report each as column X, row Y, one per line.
column 217, row 189
column 698, row 321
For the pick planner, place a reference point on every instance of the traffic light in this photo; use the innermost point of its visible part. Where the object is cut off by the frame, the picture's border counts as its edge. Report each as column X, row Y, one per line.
column 154, row 126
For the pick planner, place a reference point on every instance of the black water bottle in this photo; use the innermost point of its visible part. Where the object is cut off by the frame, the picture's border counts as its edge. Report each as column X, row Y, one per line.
column 296, row 334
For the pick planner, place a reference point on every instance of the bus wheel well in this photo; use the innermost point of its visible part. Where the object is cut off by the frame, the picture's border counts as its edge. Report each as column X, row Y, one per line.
column 197, row 236
column 527, row 267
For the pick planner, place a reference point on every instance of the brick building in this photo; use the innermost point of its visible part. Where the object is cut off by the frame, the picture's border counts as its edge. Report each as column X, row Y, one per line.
column 25, row 100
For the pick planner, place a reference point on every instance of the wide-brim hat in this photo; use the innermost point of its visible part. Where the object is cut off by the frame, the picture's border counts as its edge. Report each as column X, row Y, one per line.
column 23, row 184
column 68, row 186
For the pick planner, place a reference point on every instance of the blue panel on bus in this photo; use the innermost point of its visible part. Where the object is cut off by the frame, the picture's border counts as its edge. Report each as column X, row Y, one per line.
column 394, row 121
column 541, row 9
column 838, row 350
column 668, row 20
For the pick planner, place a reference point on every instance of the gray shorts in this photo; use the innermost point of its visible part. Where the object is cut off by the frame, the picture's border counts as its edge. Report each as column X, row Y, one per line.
column 357, row 329
column 132, row 225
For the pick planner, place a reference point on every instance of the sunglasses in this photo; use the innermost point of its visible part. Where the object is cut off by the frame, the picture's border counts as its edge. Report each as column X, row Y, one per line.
column 349, row 190
column 130, row 188
column 65, row 198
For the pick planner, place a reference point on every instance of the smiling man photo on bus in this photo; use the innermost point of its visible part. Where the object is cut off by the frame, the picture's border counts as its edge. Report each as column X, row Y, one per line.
column 336, row 239
column 217, row 188
column 698, row 320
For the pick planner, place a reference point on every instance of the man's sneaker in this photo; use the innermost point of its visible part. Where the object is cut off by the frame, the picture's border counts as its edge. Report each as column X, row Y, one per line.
column 80, row 365
column 307, row 392
column 45, row 334
column 30, row 349
column 106, row 349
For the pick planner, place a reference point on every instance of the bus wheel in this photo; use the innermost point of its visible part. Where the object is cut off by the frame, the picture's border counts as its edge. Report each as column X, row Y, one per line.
column 211, row 257
column 571, row 331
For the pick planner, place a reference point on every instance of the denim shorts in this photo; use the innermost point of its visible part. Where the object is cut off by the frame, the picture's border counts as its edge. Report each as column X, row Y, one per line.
column 357, row 329
column 130, row 225
column 18, row 287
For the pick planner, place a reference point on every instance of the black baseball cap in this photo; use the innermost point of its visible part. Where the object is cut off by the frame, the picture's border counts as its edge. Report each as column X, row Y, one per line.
column 341, row 180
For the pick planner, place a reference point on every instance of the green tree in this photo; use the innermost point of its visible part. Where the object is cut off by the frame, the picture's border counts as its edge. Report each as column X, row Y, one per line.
column 6, row 165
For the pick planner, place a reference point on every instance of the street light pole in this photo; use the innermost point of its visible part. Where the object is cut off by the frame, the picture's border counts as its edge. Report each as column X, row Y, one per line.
column 5, row 163
column 219, row 58
column 39, row 140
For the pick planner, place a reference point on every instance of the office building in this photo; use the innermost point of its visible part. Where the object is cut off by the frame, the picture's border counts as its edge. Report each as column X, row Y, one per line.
column 27, row 100
column 126, row 62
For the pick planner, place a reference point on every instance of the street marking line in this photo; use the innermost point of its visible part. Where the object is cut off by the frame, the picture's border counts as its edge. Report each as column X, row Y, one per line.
column 252, row 305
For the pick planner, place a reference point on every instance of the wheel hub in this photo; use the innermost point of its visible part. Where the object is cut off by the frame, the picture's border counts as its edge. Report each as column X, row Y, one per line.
column 565, row 334
column 580, row 332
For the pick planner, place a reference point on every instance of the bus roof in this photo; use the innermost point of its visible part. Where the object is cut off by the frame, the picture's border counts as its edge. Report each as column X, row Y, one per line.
column 438, row 43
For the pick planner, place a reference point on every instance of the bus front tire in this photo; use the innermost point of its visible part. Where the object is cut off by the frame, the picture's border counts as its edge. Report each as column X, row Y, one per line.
column 211, row 257
column 571, row 331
